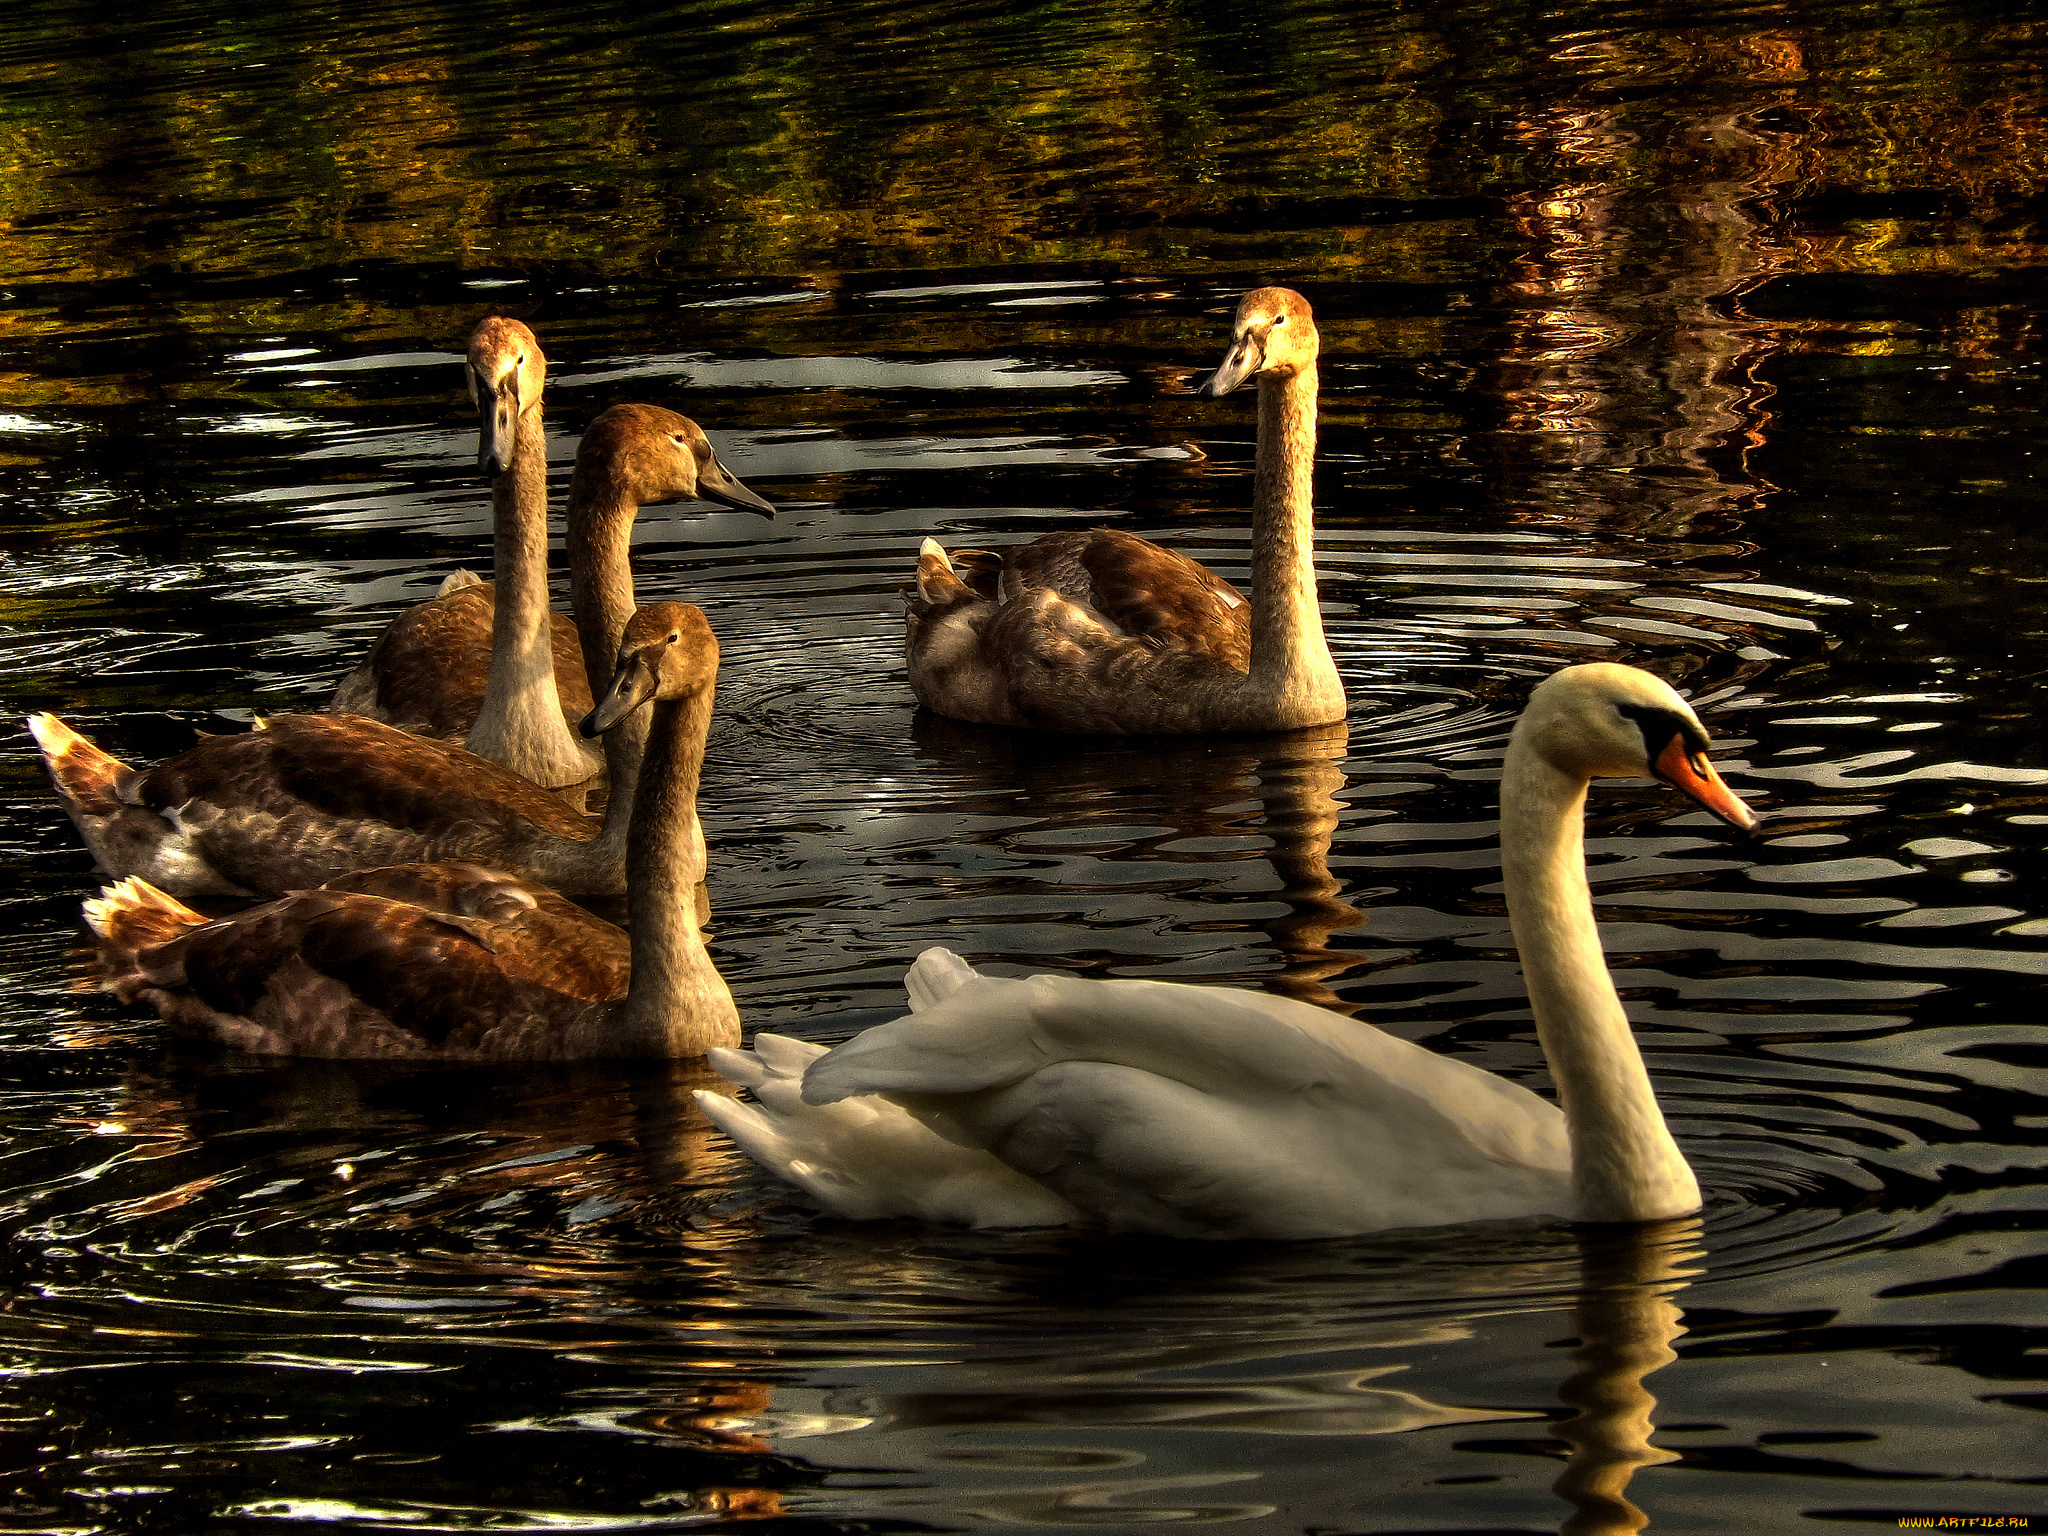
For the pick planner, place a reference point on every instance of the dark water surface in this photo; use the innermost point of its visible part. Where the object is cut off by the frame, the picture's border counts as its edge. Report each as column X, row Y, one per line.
column 1707, row 338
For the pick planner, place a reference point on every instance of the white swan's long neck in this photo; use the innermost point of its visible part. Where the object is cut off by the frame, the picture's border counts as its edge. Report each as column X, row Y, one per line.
column 677, row 1004
column 520, row 722
column 1625, row 1165
column 1290, row 658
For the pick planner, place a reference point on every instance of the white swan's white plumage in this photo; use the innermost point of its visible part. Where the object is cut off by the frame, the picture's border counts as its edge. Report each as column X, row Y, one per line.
column 867, row 1158
column 1154, row 1107
column 1212, row 1112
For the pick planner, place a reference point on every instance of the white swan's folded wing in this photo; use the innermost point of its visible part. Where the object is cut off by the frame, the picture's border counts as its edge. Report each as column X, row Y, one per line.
column 935, row 976
column 1503, row 1119
column 983, row 1032
column 866, row 1158
column 1195, row 1111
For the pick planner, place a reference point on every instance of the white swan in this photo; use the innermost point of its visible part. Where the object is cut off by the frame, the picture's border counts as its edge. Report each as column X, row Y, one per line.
column 1103, row 632
column 1212, row 1112
column 454, row 962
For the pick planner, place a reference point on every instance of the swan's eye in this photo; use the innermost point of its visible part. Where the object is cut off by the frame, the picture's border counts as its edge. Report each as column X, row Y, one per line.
column 673, row 638
column 1278, row 321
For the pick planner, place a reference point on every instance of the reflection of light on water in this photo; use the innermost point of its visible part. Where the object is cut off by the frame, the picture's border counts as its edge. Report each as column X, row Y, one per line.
column 1626, row 1321
column 374, row 362
column 964, row 290
column 1102, row 1410
column 868, row 374
column 263, row 424
column 403, row 1514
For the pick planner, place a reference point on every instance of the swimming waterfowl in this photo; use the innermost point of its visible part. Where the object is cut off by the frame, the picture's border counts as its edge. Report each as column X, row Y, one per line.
column 1104, row 632
column 487, row 665
column 1212, row 1112
column 304, row 798
column 453, row 961
column 431, row 671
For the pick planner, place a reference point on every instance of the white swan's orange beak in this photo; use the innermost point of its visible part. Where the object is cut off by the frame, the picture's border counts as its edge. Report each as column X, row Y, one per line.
column 1684, row 769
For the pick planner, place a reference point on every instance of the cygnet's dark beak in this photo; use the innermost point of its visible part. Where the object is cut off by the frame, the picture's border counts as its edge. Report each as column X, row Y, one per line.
column 1247, row 357
column 717, row 483
column 632, row 685
column 497, row 427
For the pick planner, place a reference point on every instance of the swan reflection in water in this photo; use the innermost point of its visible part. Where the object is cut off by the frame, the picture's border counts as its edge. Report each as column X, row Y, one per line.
column 1249, row 1352
column 1626, row 1320
column 1243, row 800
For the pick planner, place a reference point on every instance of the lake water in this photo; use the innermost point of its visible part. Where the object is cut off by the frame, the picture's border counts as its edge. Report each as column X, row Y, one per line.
column 1703, row 337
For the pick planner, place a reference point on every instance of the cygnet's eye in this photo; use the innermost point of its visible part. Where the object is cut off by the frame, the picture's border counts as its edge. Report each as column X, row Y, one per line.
column 674, row 636
column 678, row 439
column 1278, row 321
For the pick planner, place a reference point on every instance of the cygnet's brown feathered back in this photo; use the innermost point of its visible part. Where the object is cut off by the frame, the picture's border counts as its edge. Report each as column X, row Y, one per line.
column 457, row 962
column 308, row 797
column 1104, row 632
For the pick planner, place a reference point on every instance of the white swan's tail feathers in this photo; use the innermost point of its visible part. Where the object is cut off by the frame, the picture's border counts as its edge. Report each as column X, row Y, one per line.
column 749, row 1129
column 866, row 1158
column 935, row 976
column 774, row 1058
column 786, row 1056
column 756, row 1132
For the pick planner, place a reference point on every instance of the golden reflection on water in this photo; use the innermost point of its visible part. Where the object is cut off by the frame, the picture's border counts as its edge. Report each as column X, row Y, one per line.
column 934, row 135
column 1626, row 1319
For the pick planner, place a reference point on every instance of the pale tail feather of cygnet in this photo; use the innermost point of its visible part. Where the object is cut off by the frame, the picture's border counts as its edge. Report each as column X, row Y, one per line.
column 865, row 1158
column 935, row 579
column 139, row 927
column 132, row 912
column 84, row 775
